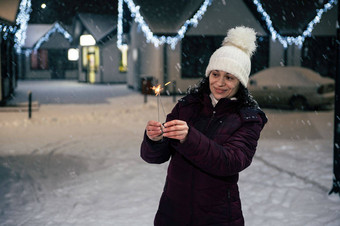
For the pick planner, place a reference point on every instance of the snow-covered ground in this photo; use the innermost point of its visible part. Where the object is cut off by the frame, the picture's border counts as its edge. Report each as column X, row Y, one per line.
column 76, row 162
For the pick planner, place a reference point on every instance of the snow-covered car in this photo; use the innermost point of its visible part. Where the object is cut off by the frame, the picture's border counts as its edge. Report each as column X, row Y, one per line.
column 295, row 87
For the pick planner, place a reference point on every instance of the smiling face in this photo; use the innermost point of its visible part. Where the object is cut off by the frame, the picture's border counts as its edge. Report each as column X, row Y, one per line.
column 223, row 84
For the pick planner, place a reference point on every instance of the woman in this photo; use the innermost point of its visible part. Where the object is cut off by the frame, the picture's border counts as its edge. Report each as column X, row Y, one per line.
column 210, row 135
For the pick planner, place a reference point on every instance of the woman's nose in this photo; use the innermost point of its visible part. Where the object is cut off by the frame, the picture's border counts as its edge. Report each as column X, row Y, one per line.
column 221, row 81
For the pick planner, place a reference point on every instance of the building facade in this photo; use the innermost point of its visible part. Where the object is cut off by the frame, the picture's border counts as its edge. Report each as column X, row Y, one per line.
column 186, row 63
column 100, row 59
column 45, row 53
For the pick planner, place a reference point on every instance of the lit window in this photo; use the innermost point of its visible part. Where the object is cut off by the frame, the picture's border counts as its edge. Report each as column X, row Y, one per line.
column 123, row 58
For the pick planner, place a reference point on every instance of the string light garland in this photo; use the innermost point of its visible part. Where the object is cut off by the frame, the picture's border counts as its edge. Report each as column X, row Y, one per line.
column 25, row 8
column 150, row 37
column 172, row 40
column 120, row 24
column 19, row 30
column 289, row 40
column 7, row 30
column 23, row 17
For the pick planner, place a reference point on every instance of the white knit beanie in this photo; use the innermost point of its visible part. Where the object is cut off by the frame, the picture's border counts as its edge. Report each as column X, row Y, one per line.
column 234, row 54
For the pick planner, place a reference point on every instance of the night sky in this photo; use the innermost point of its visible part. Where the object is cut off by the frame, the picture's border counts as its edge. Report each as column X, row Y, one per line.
column 65, row 10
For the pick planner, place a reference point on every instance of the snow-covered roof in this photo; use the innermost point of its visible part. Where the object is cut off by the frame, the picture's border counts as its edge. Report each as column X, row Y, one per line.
column 167, row 16
column 98, row 25
column 35, row 32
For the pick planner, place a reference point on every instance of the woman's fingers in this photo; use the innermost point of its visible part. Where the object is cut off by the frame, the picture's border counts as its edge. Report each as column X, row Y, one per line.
column 175, row 123
column 176, row 129
column 153, row 123
column 153, row 126
column 153, row 130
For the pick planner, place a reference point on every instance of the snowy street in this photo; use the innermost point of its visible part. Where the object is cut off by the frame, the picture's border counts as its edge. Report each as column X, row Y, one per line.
column 76, row 161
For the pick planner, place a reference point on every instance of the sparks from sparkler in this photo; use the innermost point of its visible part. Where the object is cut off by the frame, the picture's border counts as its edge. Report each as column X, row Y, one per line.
column 157, row 89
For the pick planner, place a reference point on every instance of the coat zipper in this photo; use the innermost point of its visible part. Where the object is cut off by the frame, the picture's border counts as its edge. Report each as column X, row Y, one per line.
column 193, row 176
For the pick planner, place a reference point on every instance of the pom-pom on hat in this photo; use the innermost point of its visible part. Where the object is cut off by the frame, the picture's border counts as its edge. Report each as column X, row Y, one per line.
column 234, row 54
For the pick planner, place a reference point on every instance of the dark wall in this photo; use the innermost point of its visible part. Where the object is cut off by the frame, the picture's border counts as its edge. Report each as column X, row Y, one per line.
column 196, row 52
column 318, row 53
column 8, row 70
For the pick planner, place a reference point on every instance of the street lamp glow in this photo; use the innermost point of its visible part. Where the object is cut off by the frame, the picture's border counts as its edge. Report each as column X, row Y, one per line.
column 43, row 6
column 87, row 40
column 73, row 54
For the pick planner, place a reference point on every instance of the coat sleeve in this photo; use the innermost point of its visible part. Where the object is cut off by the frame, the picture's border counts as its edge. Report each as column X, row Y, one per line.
column 233, row 156
column 155, row 152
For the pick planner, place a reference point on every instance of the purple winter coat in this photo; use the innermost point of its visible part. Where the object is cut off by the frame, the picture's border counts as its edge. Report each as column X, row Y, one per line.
column 201, row 184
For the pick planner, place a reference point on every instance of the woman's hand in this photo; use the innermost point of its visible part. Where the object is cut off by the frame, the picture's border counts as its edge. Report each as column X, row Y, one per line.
column 154, row 130
column 176, row 129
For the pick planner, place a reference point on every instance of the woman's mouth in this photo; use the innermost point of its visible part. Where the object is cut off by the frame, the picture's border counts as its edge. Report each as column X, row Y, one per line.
column 219, row 91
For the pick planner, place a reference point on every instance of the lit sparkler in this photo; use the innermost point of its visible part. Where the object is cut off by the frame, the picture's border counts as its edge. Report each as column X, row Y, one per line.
column 157, row 89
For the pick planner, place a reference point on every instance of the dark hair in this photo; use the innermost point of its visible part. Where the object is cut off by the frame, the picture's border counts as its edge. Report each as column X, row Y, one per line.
column 243, row 96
